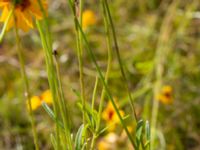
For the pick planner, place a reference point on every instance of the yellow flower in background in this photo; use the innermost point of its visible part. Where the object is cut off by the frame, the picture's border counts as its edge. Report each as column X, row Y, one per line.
column 110, row 116
column 46, row 97
column 36, row 101
column 88, row 18
column 112, row 141
column 23, row 13
column 109, row 142
column 166, row 96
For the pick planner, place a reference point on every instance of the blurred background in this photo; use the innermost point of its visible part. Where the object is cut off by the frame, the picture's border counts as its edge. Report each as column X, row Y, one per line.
column 143, row 28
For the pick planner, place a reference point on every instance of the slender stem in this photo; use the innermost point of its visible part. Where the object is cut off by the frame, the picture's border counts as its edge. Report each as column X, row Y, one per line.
column 94, row 92
column 109, row 48
column 80, row 56
column 46, row 43
column 119, row 58
column 51, row 76
column 26, row 84
column 64, row 110
column 6, row 24
column 93, row 109
column 93, row 58
column 155, row 112
column 47, row 27
column 55, row 84
column 160, row 57
column 54, row 80
column 81, row 77
column 94, row 136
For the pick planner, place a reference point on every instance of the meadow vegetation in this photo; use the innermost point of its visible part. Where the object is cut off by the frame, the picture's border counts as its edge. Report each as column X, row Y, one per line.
column 100, row 75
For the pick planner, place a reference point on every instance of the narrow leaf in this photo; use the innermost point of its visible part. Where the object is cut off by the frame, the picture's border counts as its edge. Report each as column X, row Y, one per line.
column 51, row 114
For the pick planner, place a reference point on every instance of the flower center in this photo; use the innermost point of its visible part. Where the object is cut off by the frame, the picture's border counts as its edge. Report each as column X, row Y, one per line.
column 16, row 2
column 110, row 115
column 167, row 95
column 22, row 4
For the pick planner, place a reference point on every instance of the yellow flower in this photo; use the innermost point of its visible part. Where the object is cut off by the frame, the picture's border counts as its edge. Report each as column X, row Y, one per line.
column 88, row 19
column 35, row 102
column 112, row 141
column 23, row 13
column 110, row 116
column 103, row 145
column 166, row 95
column 46, row 97
column 109, row 142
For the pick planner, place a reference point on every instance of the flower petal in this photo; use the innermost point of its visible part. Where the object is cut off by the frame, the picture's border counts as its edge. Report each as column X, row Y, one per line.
column 35, row 9
column 4, row 14
column 3, row 4
column 23, row 21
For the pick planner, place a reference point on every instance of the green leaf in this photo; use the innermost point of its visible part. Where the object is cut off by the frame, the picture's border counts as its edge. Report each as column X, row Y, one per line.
column 80, row 137
column 53, row 141
column 139, row 129
column 148, row 138
column 51, row 114
column 147, row 126
column 91, row 115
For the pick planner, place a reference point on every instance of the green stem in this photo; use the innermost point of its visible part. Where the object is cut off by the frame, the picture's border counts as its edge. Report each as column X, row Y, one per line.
column 109, row 48
column 94, row 92
column 6, row 24
column 26, row 84
column 81, row 76
column 93, row 58
column 54, row 80
column 55, row 86
column 160, row 58
column 64, row 110
column 51, row 77
column 155, row 112
column 93, row 109
column 94, row 136
column 80, row 59
column 119, row 57
column 47, row 27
